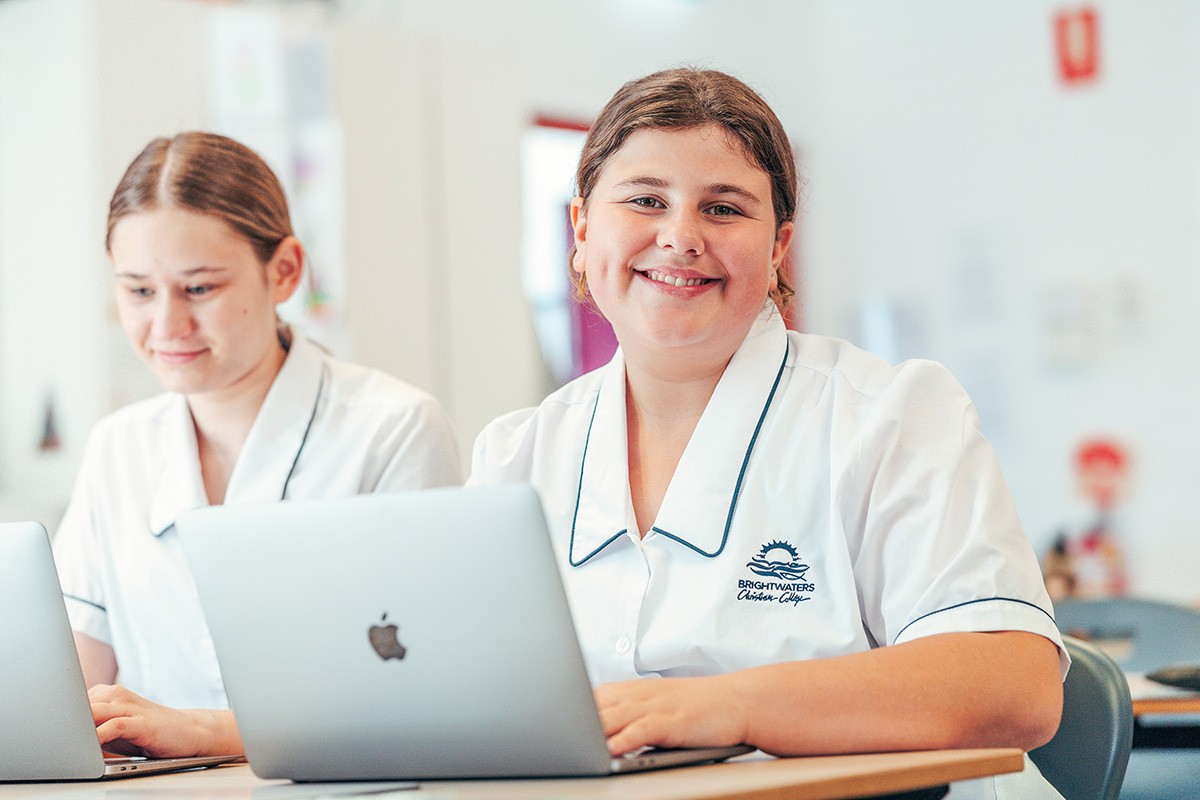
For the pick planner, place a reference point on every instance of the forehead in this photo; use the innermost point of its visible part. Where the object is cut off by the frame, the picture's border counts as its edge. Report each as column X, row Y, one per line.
column 708, row 153
column 176, row 237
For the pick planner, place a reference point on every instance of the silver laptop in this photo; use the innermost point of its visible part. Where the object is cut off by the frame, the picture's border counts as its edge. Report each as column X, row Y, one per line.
column 420, row 635
column 41, row 683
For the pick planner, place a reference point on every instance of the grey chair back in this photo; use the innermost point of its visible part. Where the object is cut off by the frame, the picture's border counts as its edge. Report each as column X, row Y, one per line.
column 1086, row 759
column 1147, row 634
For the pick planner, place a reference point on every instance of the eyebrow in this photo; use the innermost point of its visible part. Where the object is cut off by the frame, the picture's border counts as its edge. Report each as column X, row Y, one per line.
column 187, row 273
column 712, row 188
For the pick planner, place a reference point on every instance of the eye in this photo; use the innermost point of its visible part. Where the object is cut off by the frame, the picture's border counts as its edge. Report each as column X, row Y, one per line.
column 140, row 292
column 722, row 210
column 647, row 202
column 199, row 291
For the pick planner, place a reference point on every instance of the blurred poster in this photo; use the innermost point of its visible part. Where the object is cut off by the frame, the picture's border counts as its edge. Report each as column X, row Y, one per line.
column 574, row 337
column 272, row 94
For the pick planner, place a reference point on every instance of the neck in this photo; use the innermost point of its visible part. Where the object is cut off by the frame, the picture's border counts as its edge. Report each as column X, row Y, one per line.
column 223, row 420
column 673, row 398
column 669, row 386
column 662, row 408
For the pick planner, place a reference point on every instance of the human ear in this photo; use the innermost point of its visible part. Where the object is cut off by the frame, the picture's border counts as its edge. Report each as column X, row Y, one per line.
column 285, row 269
column 779, row 250
column 783, row 240
column 579, row 226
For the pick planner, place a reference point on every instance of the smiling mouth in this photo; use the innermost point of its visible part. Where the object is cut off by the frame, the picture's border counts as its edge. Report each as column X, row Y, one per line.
column 676, row 280
column 177, row 356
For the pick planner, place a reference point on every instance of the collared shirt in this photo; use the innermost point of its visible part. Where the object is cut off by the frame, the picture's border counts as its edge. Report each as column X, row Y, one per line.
column 827, row 503
column 326, row 429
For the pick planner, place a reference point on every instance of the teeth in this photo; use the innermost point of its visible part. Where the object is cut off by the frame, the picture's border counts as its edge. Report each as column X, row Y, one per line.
column 662, row 277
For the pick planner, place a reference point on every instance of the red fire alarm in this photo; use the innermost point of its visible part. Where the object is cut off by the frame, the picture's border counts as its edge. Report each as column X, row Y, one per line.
column 1077, row 37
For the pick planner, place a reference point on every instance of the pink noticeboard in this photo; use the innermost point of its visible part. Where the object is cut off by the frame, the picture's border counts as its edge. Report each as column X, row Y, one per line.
column 594, row 339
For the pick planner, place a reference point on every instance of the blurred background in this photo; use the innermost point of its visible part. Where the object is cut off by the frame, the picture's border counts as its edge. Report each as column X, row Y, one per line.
column 1007, row 187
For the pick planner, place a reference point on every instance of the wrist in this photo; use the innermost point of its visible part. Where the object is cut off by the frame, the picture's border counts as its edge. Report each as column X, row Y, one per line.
column 738, row 688
column 218, row 734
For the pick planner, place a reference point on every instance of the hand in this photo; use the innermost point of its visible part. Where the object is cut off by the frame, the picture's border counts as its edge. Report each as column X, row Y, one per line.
column 670, row 712
column 131, row 725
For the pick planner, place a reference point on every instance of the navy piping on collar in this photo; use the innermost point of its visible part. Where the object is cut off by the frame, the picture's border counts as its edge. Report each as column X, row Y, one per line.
column 303, row 440
column 579, row 493
column 307, row 428
column 85, row 601
column 737, row 488
column 970, row 602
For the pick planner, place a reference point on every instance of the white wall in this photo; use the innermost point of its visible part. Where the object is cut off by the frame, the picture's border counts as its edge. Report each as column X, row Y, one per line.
column 954, row 176
column 450, row 88
column 951, row 180
column 82, row 87
column 48, row 153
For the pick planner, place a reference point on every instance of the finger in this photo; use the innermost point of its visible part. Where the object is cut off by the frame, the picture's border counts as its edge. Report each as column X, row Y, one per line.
column 620, row 713
column 117, row 729
column 120, row 747
column 103, row 692
column 123, row 736
column 636, row 735
column 104, row 711
column 621, row 743
column 114, row 693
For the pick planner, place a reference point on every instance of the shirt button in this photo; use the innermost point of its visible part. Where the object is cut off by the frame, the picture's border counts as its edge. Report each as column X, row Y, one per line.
column 623, row 645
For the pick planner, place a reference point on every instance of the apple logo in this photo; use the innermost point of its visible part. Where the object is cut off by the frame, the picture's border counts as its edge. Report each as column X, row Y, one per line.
column 384, row 640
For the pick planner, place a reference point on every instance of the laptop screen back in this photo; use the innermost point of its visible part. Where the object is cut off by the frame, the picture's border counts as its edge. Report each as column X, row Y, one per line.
column 415, row 635
column 41, row 684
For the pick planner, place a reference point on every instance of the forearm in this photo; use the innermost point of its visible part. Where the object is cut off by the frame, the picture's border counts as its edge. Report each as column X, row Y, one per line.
column 96, row 660
column 951, row 690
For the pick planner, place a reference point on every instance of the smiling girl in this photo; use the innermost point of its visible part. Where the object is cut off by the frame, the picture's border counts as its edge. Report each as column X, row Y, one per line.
column 203, row 252
column 767, row 537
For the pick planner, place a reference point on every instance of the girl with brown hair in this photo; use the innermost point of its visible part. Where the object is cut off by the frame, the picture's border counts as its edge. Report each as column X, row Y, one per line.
column 767, row 537
column 203, row 252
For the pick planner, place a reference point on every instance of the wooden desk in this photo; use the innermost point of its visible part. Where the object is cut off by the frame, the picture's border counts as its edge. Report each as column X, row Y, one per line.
column 749, row 778
column 1167, row 705
column 1151, row 697
column 1153, row 705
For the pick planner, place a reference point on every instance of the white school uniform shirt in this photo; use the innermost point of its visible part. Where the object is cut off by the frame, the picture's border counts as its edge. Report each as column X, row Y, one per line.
column 827, row 503
column 326, row 429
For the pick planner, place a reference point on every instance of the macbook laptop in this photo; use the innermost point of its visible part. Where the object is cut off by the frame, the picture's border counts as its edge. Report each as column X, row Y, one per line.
column 41, row 683
column 419, row 635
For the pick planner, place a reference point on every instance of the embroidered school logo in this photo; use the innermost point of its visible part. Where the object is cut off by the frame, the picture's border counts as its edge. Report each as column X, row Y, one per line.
column 778, row 560
column 781, row 561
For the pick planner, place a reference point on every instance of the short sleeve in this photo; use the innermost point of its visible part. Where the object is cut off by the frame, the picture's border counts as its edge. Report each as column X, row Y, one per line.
column 79, row 556
column 479, row 456
column 423, row 451
column 503, row 451
column 941, row 549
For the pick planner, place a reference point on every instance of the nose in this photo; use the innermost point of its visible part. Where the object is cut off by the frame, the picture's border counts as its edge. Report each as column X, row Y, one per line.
column 681, row 233
column 171, row 319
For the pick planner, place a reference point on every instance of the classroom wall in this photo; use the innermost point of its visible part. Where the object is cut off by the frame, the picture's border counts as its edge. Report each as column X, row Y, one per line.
column 82, row 87
column 1034, row 236
column 473, row 77
column 960, row 204
column 1038, row 238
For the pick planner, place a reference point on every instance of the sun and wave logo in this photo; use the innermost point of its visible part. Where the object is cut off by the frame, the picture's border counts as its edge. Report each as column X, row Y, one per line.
column 783, row 577
column 778, row 560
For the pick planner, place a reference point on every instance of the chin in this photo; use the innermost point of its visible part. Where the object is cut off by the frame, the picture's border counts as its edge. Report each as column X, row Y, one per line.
column 172, row 381
column 679, row 336
column 177, row 387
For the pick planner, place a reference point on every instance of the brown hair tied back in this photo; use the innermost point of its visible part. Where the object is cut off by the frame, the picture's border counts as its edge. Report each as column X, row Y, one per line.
column 209, row 174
